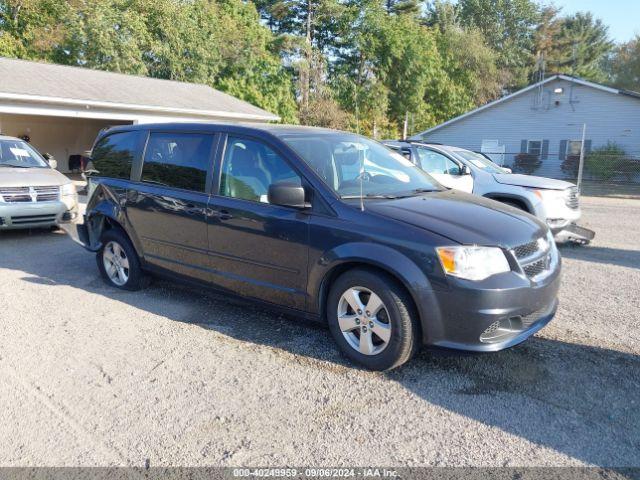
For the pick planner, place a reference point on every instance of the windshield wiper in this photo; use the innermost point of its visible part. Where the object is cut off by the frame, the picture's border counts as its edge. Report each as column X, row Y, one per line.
column 369, row 195
column 8, row 165
column 418, row 191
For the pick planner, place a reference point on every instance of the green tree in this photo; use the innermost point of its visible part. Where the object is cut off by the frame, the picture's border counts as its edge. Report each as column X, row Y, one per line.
column 508, row 27
column 30, row 29
column 402, row 7
column 216, row 42
column 623, row 66
column 442, row 14
column 393, row 71
column 577, row 44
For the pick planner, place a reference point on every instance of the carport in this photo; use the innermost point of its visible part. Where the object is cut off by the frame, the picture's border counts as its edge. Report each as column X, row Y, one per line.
column 61, row 109
column 61, row 137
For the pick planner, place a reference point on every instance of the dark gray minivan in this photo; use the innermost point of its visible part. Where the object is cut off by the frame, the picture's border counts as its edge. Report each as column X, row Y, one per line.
column 323, row 224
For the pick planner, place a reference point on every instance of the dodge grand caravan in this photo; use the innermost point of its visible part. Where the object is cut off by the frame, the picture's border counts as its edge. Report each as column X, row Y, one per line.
column 32, row 193
column 323, row 224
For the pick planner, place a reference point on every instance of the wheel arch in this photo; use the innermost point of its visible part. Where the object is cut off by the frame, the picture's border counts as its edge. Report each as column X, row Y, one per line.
column 523, row 202
column 105, row 215
column 395, row 265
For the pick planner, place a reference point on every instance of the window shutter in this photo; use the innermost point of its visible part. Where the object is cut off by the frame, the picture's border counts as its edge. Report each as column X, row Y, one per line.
column 545, row 149
column 587, row 146
column 523, row 146
column 563, row 149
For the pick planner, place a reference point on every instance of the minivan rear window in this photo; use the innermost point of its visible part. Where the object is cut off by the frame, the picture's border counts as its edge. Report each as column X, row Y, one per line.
column 114, row 154
column 178, row 160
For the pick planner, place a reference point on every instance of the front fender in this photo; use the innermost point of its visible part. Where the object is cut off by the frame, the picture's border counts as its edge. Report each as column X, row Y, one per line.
column 385, row 258
column 530, row 201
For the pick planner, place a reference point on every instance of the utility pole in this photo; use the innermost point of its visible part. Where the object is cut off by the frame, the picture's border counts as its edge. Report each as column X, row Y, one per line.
column 581, row 164
column 405, row 125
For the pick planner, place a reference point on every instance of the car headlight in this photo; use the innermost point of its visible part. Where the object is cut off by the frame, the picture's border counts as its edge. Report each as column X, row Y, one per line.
column 548, row 195
column 472, row 262
column 68, row 189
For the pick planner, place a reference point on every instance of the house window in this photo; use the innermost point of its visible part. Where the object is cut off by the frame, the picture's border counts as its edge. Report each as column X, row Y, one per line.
column 574, row 147
column 534, row 147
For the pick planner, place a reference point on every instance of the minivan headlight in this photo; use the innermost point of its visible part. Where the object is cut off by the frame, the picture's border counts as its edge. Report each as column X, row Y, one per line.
column 67, row 190
column 472, row 262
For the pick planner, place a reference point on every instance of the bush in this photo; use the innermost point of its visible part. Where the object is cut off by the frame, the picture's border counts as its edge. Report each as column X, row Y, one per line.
column 604, row 163
column 570, row 166
column 526, row 163
column 629, row 168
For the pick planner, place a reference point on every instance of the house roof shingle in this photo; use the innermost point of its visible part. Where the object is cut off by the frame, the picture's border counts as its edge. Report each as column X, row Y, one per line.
column 76, row 84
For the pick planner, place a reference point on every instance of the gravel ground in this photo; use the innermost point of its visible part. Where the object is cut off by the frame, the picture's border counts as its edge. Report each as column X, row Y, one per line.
column 176, row 376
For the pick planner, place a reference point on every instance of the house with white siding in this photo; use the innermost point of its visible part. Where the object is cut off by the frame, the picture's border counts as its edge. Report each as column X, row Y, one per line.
column 545, row 121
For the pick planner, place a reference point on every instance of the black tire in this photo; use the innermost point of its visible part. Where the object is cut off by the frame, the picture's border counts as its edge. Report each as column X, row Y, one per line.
column 405, row 331
column 135, row 278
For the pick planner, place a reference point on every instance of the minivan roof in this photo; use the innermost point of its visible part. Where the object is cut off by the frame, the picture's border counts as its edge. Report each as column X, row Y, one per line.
column 272, row 128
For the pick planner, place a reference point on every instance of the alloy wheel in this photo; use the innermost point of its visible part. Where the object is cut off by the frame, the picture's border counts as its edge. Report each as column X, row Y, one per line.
column 116, row 263
column 364, row 321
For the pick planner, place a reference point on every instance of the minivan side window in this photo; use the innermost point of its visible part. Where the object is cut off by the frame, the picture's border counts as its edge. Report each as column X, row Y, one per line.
column 178, row 160
column 114, row 154
column 249, row 167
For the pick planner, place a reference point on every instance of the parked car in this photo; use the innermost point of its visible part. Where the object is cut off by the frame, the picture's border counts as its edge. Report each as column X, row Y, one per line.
column 32, row 193
column 555, row 202
column 324, row 224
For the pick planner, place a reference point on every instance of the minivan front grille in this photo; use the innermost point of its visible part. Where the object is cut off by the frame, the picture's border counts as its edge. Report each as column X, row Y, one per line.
column 536, row 268
column 572, row 200
column 533, row 257
column 29, row 194
column 526, row 250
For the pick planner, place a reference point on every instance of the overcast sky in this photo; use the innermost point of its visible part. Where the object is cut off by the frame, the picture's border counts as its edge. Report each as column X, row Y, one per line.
column 622, row 16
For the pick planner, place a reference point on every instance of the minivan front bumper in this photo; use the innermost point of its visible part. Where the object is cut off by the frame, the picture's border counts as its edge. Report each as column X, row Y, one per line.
column 500, row 314
column 36, row 214
column 77, row 230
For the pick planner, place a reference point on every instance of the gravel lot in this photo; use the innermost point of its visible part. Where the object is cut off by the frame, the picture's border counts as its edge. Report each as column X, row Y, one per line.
column 175, row 376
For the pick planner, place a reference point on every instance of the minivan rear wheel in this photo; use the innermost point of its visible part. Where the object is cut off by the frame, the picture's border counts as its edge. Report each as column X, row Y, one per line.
column 118, row 261
column 371, row 318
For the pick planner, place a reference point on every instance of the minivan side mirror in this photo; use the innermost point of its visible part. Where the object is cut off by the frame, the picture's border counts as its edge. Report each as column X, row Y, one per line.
column 287, row 194
column 465, row 170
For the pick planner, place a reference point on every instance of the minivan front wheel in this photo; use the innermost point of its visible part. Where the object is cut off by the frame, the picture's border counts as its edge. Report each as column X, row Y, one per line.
column 118, row 262
column 371, row 319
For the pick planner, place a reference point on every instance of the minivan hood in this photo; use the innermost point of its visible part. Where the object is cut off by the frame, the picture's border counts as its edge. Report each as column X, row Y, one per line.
column 463, row 218
column 530, row 181
column 31, row 177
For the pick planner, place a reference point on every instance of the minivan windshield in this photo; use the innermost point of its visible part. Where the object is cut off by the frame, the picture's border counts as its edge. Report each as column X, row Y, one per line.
column 351, row 164
column 18, row 154
column 480, row 161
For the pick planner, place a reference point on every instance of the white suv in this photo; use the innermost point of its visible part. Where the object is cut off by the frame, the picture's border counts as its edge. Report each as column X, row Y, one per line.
column 555, row 202
column 32, row 193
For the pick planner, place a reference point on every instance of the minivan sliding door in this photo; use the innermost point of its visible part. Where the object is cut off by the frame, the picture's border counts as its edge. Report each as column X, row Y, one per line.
column 167, row 206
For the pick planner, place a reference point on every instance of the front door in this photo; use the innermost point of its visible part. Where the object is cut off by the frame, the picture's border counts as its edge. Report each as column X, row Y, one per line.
column 257, row 249
column 167, row 207
column 445, row 170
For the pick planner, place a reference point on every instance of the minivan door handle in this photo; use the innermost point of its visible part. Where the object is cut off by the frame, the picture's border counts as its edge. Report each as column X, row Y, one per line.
column 224, row 215
column 219, row 214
